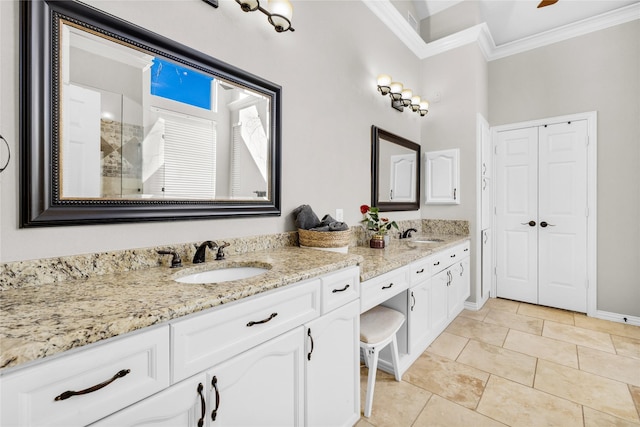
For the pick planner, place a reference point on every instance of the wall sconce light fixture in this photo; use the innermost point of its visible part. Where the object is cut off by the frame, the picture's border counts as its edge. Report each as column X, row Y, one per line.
column 401, row 97
column 279, row 17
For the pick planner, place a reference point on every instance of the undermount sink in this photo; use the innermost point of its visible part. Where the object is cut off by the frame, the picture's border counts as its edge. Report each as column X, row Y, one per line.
column 418, row 240
column 222, row 275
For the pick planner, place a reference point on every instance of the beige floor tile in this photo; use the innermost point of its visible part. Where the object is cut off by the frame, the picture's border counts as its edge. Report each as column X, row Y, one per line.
column 579, row 336
column 635, row 395
column 459, row 383
column 615, row 328
column 588, row 389
column 502, row 304
column 518, row 405
column 556, row 351
column 448, row 345
column 363, row 423
column 505, row 363
column 593, row 418
column 531, row 325
column 625, row 346
column 547, row 313
column 620, row 368
column 480, row 331
column 394, row 403
column 476, row 315
column 440, row 412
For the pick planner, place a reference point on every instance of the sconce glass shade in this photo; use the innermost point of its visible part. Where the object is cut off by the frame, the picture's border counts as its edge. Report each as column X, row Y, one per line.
column 384, row 80
column 415, row 103
column 396, row 90
column 281, row 14
column 406, row 97
column 248, row 5
column 424, row 108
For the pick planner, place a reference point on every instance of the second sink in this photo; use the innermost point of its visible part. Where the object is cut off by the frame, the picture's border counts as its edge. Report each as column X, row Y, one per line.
column 222, row 275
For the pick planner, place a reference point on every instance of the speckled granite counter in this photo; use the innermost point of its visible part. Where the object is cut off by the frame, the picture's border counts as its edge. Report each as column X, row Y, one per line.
column 37, row 322
column 400, row 253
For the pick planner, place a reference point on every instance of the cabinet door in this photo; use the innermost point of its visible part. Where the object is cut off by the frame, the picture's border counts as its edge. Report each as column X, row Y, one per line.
column 459, row 288
column 332, row 361
column 439, row 293
column 180, row 405
column 486, row 262
column 486, row 202
column 262, row 387
column 420, row 322
column 442, row 177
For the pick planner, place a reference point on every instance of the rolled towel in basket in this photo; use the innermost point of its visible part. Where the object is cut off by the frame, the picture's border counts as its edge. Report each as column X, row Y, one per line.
column 305, row 218
column 328, row 223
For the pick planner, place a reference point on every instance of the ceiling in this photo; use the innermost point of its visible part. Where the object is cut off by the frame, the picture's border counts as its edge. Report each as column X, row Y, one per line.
column 511, row 20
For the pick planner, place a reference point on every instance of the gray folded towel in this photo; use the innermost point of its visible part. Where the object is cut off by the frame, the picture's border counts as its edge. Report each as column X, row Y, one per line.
column 305, row 218
column 330, row 224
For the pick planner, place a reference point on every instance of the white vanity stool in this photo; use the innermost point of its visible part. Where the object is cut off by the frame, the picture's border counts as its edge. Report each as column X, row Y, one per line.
column 378, row 328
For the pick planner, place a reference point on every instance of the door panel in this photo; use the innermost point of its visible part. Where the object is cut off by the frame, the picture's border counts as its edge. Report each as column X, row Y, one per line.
column 562, row 204
column 516, row 205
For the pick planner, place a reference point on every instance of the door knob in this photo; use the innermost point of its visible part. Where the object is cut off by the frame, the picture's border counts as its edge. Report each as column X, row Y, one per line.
column 543, row 224
column 531, row 223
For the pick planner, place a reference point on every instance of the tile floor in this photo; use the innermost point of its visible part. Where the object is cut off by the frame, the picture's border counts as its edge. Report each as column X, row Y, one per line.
column 517, row 364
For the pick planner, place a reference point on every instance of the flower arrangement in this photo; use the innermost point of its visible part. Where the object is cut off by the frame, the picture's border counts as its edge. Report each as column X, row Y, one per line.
column 374, row 222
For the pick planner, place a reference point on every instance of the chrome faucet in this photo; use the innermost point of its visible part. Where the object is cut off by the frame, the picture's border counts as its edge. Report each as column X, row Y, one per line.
column 407, row 233
column 202, row 250
column 175, row 261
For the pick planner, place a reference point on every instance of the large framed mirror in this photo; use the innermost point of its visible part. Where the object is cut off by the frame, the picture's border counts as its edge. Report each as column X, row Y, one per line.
column 395, row 172
column 120, row 124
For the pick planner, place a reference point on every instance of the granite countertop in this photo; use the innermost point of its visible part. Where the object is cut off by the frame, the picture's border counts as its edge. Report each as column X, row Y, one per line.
column 41, row 321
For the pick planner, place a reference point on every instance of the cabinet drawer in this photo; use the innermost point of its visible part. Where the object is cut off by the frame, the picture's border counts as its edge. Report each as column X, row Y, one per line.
column 204, row 340
column 447, row 257
column 420, row 270
column 340, row 288
column 383, row 287
column 29, row 395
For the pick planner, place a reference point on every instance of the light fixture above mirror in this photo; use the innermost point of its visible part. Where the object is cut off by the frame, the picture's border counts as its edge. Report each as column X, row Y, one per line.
column 279, row 15
column 401, row 97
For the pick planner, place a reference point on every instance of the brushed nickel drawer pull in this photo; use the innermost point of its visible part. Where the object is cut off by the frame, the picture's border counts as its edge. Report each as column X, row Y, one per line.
column 69, row 393
column 340, row 290
column 251, row 323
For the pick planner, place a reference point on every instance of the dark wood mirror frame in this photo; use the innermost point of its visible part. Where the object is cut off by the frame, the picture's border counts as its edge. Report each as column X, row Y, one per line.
column 376, row 135
column 40, row 203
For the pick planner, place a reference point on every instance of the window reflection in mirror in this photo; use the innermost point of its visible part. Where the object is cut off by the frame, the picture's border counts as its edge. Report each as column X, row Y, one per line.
column 139, row 126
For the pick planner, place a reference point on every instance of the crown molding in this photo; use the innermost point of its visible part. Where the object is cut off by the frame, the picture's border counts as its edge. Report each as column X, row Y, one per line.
column 481, row 34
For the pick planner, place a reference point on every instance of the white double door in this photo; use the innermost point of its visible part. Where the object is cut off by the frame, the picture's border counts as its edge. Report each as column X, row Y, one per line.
column 541, row 215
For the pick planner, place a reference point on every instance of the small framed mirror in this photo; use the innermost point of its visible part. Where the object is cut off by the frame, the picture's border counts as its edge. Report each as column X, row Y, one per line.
column 119, row 124
column 395, row 172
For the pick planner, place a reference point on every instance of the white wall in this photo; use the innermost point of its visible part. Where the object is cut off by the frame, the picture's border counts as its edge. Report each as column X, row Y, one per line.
column 595, row 72
column 327, row 70
column 460, row 77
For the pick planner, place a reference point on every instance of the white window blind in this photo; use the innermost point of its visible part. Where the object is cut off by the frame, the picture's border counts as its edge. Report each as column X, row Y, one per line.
column 190, row 157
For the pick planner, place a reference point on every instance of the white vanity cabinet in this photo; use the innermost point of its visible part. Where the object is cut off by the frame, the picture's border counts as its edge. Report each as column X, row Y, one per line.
column 106, row 377
column 285, row 357
column 439, row 286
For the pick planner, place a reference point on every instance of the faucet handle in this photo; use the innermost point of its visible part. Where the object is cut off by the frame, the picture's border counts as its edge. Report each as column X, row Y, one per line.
column 175, row 261
column 220, row 254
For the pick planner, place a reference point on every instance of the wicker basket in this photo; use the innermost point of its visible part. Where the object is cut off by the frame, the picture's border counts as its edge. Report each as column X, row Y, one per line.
column 324, row 239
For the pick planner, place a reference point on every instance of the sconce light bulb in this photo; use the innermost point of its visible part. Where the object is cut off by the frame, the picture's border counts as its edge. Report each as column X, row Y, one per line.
column 396, row 90
column 281, row 14
column 384, row 80
column 415, row 103
column 406, row 97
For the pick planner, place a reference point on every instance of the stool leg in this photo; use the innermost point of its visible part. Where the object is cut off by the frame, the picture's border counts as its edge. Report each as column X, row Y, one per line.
column 371, row 381
column 395, row 358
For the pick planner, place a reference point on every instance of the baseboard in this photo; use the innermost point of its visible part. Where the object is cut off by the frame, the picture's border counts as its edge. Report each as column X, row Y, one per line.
column 474, row 306
column 615, row 317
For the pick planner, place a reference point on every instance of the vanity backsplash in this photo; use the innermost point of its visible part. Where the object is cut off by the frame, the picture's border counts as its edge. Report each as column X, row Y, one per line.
column 51, row 270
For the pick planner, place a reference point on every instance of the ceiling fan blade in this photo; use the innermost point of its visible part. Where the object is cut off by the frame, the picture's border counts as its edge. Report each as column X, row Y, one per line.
column 544, row 3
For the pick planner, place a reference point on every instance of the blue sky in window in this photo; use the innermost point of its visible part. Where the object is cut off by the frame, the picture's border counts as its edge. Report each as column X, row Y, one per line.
column 172, row 81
